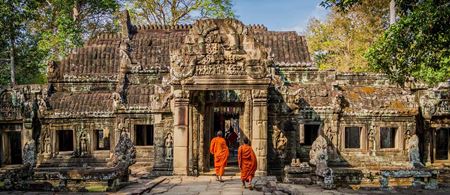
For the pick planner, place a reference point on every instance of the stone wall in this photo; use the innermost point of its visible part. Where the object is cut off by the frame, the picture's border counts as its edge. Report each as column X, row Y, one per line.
column 171, row 77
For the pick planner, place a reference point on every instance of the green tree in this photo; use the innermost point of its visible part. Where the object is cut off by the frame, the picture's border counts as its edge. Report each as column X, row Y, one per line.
column 37, row 32
column 170, row 12
column 341, row 40
column 19, row 55
column 417, row 45
column 66, row 24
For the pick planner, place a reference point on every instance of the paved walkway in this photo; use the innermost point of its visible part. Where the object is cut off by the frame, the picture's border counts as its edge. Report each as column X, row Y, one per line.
column 203, row 185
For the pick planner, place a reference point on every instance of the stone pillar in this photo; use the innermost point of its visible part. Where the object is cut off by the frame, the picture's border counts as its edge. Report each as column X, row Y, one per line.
column 259, row 130
column 181, row 135
column 429, row 142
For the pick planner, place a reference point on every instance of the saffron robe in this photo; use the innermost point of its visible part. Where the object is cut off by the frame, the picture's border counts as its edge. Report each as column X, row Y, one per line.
column 219, row 148
column 247, row 162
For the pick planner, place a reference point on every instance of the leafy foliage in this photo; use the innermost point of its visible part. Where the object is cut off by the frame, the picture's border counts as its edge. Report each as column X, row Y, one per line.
column 341, row 41
column 66, row 24
column 417, row 45
column 36, row 32
column 170, row 12
column 17, row 44
column 342, row 5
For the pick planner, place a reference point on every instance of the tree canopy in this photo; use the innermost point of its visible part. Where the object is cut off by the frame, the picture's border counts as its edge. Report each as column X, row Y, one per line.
column 170, row 12
column 19, row 52
column 417, row 45
column 36, row 32
column 341, row 40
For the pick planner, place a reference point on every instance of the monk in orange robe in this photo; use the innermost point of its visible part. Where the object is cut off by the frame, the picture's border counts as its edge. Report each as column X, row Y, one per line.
column 247, row 163
column 220, row 151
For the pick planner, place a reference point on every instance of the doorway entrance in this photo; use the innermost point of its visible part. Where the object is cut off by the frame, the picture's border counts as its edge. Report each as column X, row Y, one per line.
column 11, row 146
column 442, row 144
column 226, row 118
column 199, row 114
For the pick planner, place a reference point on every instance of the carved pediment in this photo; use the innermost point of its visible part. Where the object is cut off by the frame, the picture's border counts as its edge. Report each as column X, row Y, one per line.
column 10, row 105
column 219, row 48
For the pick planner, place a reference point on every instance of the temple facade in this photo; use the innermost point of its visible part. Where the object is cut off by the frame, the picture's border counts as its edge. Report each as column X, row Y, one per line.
column 151, row 98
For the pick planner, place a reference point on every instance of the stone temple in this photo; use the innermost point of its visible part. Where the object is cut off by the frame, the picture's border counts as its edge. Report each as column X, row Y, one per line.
column 150, row 99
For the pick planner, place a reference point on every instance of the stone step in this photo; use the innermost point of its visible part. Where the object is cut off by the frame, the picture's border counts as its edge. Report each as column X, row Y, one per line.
column 229, row 171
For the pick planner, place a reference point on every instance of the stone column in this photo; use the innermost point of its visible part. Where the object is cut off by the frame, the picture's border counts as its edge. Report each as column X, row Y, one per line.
column 181, row 135
column 259, row 130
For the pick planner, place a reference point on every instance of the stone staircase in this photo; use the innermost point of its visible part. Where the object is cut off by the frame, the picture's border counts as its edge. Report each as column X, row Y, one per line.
column 444, row 177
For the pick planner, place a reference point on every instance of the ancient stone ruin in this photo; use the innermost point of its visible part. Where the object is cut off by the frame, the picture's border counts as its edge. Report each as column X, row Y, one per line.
column 150, row 98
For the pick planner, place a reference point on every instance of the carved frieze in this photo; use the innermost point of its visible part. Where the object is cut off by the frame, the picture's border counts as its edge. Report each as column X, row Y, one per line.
column 12, row 105
column 219, row 48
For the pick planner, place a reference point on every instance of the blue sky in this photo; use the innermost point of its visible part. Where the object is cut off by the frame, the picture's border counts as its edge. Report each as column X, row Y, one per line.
column 279, row 15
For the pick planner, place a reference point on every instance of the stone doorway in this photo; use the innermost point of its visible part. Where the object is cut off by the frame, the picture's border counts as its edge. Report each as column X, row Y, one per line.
column 226, row 118
column 197, row 117
column 442, row 144
column 11, row 148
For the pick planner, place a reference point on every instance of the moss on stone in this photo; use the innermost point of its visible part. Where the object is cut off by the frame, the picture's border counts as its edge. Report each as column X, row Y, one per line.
column 96, row 188
column 368, row 90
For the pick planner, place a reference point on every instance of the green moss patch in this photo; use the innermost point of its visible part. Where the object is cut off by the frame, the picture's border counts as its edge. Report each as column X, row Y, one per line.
column 96, row 188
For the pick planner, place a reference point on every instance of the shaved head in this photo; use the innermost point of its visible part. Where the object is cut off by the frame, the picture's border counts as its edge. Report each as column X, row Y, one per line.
column 219, row 133
column 246, row 141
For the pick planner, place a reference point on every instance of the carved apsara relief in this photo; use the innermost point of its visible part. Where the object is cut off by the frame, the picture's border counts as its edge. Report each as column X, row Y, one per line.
column 279, row 140
column 168, row 147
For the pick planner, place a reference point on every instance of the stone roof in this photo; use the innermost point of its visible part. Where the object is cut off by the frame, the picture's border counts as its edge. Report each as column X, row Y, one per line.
column 147, row 97
column 150, row 48
column 287, row 48
column 81, row 104
column 99, row 58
